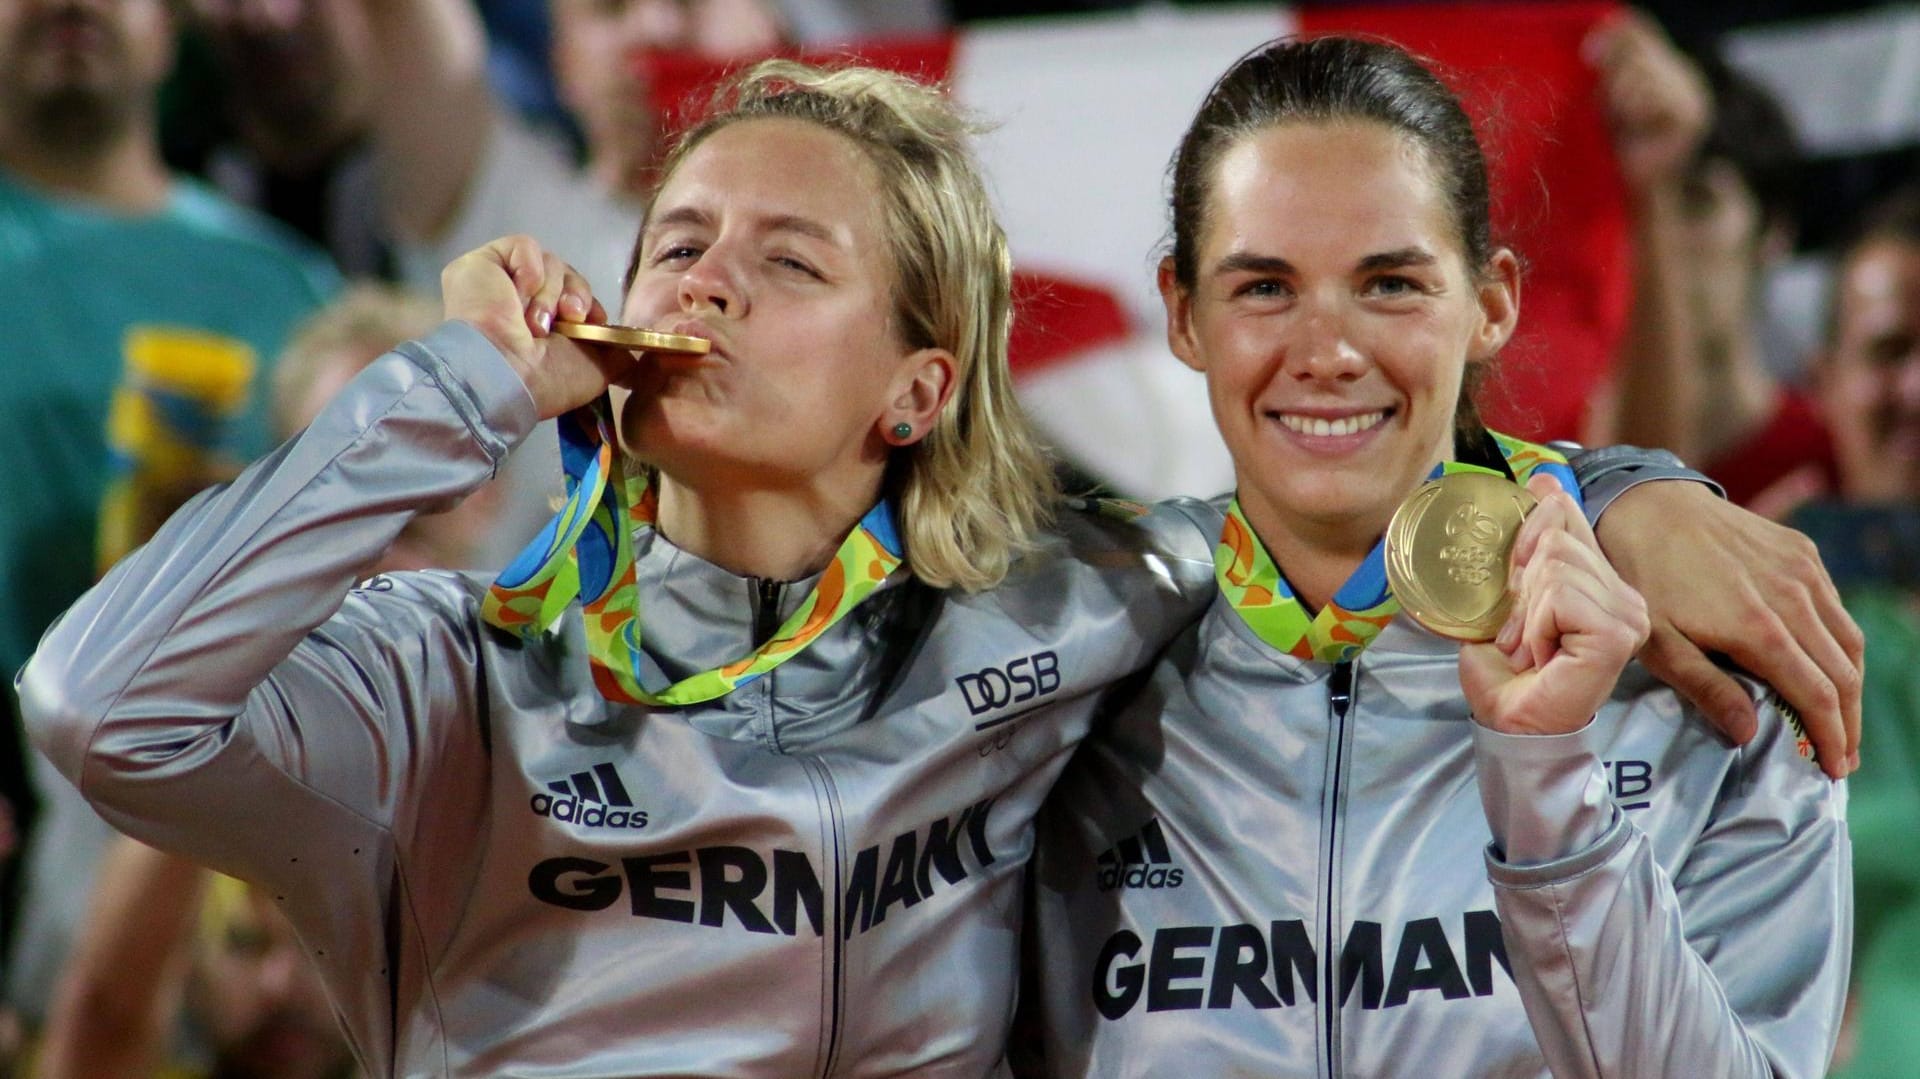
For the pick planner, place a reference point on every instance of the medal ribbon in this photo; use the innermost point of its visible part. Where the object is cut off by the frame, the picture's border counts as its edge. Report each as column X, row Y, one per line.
column 1364, row 605
column 586, row 552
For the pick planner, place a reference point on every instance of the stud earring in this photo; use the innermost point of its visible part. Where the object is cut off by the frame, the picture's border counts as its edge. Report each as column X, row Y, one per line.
column 903, row 431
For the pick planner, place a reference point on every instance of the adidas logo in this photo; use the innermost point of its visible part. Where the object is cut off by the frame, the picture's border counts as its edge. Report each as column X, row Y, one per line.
column 579, row 799
column 1140, row 861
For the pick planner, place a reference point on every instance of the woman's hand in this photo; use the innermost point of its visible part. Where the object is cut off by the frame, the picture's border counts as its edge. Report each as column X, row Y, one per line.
column 1720, row 579
column 1574, row 626
column 1656, row 100
column 511, row 291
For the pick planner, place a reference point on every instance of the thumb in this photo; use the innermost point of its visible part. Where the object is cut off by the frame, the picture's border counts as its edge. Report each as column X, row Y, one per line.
column 1483, row 670
column 1679, row 663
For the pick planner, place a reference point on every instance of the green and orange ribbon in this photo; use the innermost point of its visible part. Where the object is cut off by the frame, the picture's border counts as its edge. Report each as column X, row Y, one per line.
column 1362, row 607
column 586, row 552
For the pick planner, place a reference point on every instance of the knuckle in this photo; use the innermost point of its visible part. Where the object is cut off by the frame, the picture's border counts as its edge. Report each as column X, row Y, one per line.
column 1769, row 632
column 1853, row 640
column 1824, row 699
column 1847, row 683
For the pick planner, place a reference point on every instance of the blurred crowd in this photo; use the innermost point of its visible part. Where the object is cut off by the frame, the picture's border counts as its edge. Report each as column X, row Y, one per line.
column 214, row 212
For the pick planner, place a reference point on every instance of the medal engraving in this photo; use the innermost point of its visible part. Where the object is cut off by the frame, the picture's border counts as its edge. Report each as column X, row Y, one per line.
column 1447, row 550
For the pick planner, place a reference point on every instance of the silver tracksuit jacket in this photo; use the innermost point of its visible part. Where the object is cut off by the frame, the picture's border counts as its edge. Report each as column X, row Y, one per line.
column 1264, row 866
column 500, row 873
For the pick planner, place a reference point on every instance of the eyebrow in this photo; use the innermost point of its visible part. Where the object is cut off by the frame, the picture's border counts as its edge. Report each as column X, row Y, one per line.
column 1397, row 259
column 1400, row 258
column 692, row 215
column 1247, row 262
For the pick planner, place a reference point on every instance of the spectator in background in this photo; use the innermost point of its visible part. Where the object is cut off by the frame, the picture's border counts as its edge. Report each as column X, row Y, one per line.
column 98, row 240
column 458, row 169
column 327, row 350
column 271, row 102
column 1710, row 162
column 165, row 938
column 1868, row 382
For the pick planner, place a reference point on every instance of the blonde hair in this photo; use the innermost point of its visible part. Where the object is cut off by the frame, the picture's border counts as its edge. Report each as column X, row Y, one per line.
column 973, row 492
column 367, row 317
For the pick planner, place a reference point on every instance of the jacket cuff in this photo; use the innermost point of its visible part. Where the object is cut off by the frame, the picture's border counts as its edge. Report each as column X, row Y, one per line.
column 479, row 382
column 1545, row 796
column 1611, row 471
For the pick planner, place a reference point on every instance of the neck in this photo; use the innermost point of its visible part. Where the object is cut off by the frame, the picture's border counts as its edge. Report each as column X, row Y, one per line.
column 780, row 534
column 121, row 171
column 1737, row 395
column 1317, row 557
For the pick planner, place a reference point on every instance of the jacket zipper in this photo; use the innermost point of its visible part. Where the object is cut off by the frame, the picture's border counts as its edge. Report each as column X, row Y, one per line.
column 766, row 609
column 828, row 797
column 1339, row 701
column 766, row 595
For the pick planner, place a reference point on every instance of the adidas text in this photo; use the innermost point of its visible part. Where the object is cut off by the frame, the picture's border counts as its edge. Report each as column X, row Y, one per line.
column 588, row 814
column 1141, row 876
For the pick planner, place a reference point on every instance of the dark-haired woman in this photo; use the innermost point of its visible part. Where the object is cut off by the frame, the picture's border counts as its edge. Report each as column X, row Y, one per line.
column 1322, row 840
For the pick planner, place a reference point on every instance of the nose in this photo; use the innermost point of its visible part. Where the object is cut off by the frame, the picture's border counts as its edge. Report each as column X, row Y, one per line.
column 712, row 283
column 1906, row 379
column 279, row 973
column 1322, row 349
column 660, row 24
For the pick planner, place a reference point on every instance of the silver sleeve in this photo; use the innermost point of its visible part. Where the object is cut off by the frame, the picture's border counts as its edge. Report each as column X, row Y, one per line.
column 1736, row 965
column 1608, row 472
column 225, row 691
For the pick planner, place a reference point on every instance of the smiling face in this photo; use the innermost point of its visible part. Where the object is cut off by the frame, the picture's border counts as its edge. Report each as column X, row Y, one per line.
column 768, row 240
column 1869, row 379
column 1334, row 316
column 598, row 46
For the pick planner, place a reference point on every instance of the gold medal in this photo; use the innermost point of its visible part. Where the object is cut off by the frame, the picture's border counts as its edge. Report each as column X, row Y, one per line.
column 1447, row 550
column 633, row 337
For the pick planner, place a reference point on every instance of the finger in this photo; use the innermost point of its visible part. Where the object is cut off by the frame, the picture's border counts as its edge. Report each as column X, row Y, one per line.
column 1549, row 518
column 522, row 257
column 1570, row 590
column 1819, row 671
column 546, row 300
column 1718, row 695
column 576, row 296
column 1848, row 670
column 1541, row 486
column 1577, row 568
column 1774, row 654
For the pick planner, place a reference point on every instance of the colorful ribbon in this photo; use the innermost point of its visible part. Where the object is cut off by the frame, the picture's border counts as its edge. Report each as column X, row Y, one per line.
column 586, row 552
column 1362, row 606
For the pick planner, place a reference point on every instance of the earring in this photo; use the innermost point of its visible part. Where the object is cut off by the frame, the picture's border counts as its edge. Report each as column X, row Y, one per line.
column 903, row 431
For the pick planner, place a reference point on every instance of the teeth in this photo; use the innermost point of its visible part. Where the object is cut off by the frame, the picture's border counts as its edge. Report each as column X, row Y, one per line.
column 1324, row 428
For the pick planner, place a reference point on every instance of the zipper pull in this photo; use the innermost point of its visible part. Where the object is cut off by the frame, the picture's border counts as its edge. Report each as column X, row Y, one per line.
column 766, row 609
column 1340, row 688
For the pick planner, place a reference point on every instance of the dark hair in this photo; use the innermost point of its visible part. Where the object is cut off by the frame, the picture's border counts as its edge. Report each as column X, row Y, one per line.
column 1751, row 132
column 1325, row 79
column 1895, row 218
